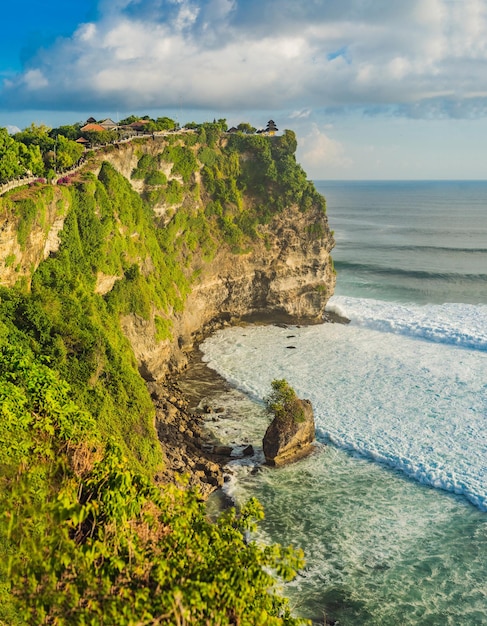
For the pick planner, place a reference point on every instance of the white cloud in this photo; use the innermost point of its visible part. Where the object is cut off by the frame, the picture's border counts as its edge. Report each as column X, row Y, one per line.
column 419, row 58
column 187, row 15
column 317, row 152
column 301, row 114
column 85, row 32
column 34, row 79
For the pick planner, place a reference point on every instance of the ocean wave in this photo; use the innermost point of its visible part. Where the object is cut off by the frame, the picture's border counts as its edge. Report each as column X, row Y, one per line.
column 417, row 407
column 352, row 245
column 381, row 270
column 463, row 325
column 420, row 470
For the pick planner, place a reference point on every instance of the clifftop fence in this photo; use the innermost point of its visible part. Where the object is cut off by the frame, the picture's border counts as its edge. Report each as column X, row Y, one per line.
column 17, row 182
column 26, row 180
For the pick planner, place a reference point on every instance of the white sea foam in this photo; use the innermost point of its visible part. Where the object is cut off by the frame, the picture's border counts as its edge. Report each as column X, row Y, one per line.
column 417, row 406
column 463, row 325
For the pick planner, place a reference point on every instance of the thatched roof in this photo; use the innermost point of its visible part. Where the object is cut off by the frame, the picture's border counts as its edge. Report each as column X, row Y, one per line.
column 139, row 123
column 108, row 124
column 89, row 128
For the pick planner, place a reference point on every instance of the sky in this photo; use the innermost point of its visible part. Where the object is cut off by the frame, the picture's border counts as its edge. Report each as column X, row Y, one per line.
column 374, row 89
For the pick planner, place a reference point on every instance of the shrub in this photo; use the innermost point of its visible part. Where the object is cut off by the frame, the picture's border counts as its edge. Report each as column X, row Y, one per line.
column 156, row 178
column 121, row 551
column 27, row 210
column 207, row 156
column 283, row 402
column 146, row 164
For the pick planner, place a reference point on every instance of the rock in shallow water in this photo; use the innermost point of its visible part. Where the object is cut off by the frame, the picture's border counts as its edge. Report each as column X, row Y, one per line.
column 289, row 438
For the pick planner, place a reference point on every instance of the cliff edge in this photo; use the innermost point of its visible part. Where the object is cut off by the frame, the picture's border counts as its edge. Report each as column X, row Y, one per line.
column 278, row 263
column 155, row 242
column 107, row 281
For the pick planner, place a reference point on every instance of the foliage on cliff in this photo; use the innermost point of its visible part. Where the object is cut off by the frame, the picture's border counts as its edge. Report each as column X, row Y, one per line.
column 85, row 539
column 84, row 530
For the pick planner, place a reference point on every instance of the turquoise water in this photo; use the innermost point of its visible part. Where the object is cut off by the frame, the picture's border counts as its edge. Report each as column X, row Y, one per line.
column 390, row 510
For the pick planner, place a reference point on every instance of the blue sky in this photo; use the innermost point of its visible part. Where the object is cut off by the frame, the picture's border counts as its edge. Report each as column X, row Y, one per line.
column 375, row 89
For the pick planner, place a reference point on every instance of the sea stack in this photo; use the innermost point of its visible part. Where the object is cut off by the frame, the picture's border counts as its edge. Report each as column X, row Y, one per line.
column 290, row 437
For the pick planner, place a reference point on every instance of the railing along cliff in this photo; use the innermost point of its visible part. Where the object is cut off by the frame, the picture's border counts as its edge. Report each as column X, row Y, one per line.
column 26, row 180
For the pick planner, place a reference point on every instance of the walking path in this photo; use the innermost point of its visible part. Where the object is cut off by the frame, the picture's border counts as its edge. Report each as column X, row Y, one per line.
column 26, row 180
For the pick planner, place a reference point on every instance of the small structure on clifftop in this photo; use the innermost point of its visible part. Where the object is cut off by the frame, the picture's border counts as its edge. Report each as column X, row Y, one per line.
column 271, row 128
column 292, row 431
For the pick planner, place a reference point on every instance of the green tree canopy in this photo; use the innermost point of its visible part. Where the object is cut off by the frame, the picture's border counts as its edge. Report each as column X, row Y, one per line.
column 283, row 402
column 245, row 127
column 10, row 166
column 67, row 153
column 37, row 134
column 69, row 131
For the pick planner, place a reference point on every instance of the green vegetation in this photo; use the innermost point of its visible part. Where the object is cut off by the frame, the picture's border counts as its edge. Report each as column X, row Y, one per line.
column 16, row 159
column 271, row 173
column 154, row 125
column 58, row 151
column 283, row 402
column 146, row 165
column 85, row 539
column 42, row 151
column 183, row 160
column 86, row 536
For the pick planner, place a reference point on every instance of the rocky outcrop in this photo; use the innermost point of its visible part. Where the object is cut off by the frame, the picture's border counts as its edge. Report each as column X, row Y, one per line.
column 182, row 441
column 289, row 439
column 19, row 260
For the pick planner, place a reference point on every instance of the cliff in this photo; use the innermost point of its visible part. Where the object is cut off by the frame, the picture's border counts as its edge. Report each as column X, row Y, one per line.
column 106, row 282
column 280, row 266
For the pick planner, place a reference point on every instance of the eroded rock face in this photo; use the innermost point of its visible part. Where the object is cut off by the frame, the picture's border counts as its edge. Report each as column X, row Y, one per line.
column 19, row 262
column 287, row 439
column 288, row 273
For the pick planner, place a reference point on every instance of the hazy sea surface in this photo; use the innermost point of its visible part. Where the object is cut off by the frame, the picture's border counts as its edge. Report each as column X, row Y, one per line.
column 392, row 512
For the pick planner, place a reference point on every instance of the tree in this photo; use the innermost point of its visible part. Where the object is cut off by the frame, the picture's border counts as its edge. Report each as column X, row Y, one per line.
column 69, row 131
column 245, row 127
column 30, row 158
column 129, row 120
column 10, row 166
column 68, row 153
column 283, row 402
column 98, row 138
column 165, row 123
column 222, row 123
column 37, row 135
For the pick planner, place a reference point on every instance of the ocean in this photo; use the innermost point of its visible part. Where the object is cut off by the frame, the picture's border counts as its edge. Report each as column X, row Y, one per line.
column 391, row 509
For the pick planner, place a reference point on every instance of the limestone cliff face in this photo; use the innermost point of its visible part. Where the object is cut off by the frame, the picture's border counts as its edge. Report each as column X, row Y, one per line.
column 285, row 271
column 19, row 258
column 289, row 277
